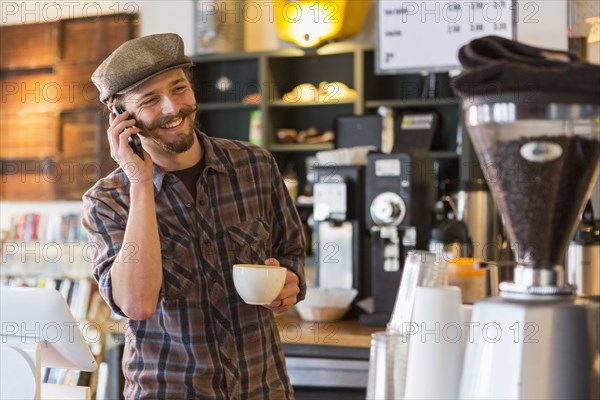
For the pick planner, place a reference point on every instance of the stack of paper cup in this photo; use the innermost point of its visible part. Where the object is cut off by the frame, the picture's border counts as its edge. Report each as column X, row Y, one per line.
column 435, row 357
column 466, row 310
column 387, row 366
column 421, row 268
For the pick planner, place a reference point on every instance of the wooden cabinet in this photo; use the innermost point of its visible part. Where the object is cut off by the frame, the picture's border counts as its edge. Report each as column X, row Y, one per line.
column 53, row 144
column 29, row 46
column 29, row 135
column 93, row 39
column 74, row 86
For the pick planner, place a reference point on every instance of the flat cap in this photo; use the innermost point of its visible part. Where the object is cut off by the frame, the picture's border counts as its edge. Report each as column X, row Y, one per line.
column 136, row 61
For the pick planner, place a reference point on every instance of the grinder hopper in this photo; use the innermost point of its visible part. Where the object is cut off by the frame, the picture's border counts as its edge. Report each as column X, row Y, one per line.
column 540, row 161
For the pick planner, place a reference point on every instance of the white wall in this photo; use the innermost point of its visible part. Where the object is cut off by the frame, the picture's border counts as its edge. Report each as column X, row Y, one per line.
column 168, row 16
column 540, row 22
column 543, row 23
column 155, row 16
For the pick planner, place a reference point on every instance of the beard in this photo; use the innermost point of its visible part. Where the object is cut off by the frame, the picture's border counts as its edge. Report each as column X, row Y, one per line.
column 183, row 141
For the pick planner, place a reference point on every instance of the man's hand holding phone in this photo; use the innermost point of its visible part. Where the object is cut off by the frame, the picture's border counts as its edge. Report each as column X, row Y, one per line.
column 134, row 139
column 126, row 148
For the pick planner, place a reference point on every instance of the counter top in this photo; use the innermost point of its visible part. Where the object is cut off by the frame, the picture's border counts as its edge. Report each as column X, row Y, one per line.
column 295, row 331
column 345, row 333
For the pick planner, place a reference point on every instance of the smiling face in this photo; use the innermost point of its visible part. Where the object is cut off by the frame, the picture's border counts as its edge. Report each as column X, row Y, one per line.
column 165, row 109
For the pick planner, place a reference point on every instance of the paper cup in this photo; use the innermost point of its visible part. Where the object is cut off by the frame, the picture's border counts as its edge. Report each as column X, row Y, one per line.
column 434, row 356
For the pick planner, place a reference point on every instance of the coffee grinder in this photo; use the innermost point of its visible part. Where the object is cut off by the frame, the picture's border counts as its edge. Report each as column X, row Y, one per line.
column 399, row 198
column 341, row 239
column 537, row 339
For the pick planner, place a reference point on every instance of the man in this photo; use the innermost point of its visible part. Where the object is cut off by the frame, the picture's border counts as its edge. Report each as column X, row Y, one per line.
column 169, row 229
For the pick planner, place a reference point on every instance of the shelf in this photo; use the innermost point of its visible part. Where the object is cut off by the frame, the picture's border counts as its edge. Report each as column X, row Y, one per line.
column 413, row 103
column 297, row 147
column 333, row 48
column 329, row 146
column 303, row 205
column 47, row 269
column 217, row 57
column 27, row 70
column 343, row 47
column 50, row 159
column 444, row 155
column 281, row 103
column 328, row 49
column 88, row 108
column 275, row 73
column 288, row 52
column 226, row 106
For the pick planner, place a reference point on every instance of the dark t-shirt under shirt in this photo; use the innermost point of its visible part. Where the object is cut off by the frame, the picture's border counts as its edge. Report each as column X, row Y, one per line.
column 189, row 176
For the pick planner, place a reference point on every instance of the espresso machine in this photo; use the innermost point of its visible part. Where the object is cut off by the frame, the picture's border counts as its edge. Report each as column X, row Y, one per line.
column 399, row 198
column 342, row 242
column 537, row 339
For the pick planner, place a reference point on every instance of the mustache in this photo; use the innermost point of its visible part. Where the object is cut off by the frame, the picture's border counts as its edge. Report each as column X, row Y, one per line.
column 184, row 112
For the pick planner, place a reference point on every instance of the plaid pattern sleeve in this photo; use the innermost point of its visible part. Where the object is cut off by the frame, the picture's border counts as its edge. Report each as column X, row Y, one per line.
column 105, row 229
column 204, row 341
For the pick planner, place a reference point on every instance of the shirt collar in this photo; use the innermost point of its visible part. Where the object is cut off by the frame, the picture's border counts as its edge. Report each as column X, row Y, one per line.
column 219, row 163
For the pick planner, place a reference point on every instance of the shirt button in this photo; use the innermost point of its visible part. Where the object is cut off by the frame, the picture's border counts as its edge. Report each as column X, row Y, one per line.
column 189, row 205
column 206, row 241
column 214, row 280
column 202, row 203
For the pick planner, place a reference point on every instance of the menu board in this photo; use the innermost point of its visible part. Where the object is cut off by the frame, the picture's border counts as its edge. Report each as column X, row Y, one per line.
column 425, row 36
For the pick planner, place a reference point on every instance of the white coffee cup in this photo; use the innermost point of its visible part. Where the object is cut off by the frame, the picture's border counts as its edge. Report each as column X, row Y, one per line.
column 258, row 284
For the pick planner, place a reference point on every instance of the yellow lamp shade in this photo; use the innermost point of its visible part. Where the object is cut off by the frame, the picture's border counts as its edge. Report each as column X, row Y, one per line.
column 309, row 23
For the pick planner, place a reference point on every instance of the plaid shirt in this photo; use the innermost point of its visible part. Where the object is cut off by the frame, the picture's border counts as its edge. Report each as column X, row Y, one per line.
column 204, row 341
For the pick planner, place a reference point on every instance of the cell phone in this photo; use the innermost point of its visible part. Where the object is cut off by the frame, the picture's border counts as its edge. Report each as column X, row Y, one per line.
column 134, row 140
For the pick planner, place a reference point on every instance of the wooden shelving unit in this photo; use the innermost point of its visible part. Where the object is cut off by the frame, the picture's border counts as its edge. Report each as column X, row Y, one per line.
column 273, row 74
column 413, row 103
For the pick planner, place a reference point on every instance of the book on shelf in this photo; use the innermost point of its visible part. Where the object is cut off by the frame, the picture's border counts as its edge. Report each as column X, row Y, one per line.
column 98, row 309
column 102, row 383
column 65, row 289
column 81, row 298
column 62, row 376
column 115, row 378
column 52, row 227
